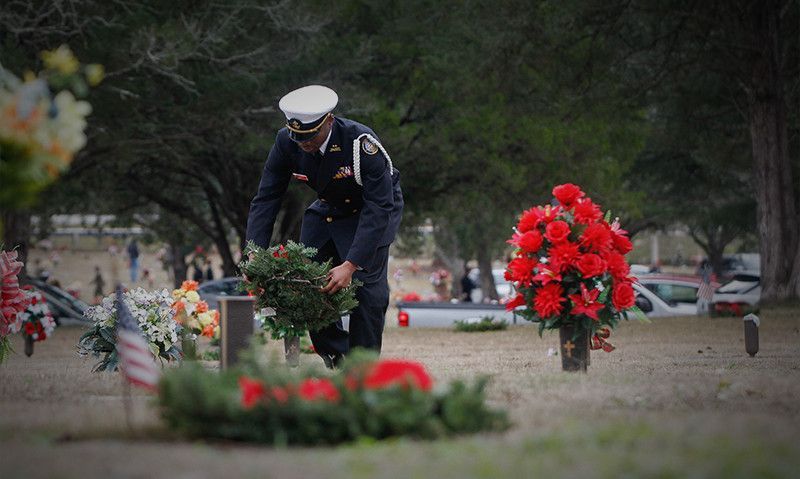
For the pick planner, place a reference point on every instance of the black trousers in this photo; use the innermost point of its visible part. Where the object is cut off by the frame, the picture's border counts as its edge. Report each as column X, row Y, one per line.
column 368, row 318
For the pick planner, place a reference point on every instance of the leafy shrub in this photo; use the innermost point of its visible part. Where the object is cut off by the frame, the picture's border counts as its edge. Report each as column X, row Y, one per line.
column 486, row 323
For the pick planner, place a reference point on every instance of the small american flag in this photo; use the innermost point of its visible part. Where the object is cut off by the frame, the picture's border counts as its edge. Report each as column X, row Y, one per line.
column 705, row 291
column 135, row 359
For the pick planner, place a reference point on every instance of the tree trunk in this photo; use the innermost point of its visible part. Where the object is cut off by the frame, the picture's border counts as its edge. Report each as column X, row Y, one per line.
column 487, row 278
column 775, row 193
column 179, row 267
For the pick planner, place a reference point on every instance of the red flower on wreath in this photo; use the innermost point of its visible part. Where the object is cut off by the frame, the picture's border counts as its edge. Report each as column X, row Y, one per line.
column 586, row 303
column 549, row 299
column 623, row 297
column 617, row 266
column 563, row 255
column 622, row 244
column 313, row 389
column 520, row 269
column 586, row 211
column 252, row 391
column 567, row 194
column 397, row 372
column 280, row 252
column 557, row 232
column 597, row 237
column 591, row 265
column 529, row 242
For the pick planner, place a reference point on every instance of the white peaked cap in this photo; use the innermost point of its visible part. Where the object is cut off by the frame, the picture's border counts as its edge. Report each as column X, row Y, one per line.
column 308, row 103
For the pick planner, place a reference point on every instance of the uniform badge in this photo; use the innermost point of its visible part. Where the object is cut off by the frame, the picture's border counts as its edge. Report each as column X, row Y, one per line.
column 300, row 177
column 295, row 124
column 335, row 148
column 368, row 146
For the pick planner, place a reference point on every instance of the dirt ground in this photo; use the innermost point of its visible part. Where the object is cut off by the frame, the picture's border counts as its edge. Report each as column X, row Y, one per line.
column 679, row 397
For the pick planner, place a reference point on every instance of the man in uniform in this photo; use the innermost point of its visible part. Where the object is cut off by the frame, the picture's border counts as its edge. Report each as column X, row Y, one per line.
column 355, row 217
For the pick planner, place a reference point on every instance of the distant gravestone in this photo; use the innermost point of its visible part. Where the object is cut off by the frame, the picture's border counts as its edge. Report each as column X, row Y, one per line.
column 236, row 327
column 751, row 324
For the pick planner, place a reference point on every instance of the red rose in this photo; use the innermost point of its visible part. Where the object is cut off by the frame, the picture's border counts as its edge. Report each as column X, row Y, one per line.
column 621, row 243
column 397, row 372
column 312, row 389
column 557, row 232
column 567, row 193
column 591, row 265
column 586, row 211
column 596, row 237
column 617, row 266
column 622, row 296
column 252, row 391
column 562, row 256
column 548, row 300
column 531, row 241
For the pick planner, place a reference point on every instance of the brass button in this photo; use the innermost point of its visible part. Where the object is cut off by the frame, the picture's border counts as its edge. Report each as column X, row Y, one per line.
column 347, row 200
column 329, row 219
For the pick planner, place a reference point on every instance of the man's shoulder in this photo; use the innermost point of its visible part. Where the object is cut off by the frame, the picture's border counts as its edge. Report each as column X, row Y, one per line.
column 353, row 128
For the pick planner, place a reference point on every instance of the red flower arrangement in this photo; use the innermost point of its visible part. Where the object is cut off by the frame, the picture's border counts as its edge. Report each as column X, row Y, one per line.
column 570, row 269
column 12, row 299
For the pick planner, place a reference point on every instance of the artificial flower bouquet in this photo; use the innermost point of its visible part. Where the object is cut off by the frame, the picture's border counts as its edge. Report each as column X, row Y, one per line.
column 36, row 321
column 569, row 267
column 12, row 299
column 288, row 281
column 192, row 313
column 151, row 310
column 366, row 398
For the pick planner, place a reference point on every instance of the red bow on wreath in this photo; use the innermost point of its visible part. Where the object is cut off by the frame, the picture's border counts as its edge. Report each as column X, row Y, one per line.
column 599, row 340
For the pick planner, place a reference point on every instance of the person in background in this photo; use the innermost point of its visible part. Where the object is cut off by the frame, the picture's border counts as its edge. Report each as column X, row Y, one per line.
column 133, row 257
column 99, row 284
column 467, row 285
column 147, row 278
column 209, row 270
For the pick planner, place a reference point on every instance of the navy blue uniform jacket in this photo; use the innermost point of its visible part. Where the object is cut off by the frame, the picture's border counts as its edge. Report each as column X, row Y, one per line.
column 358, row 219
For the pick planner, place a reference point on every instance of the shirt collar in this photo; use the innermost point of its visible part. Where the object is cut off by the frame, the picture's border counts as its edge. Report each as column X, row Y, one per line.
column 324, row 145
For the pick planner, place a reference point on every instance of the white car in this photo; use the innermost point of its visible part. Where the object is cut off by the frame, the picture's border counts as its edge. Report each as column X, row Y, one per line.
column 738, row 296
column 667, row 295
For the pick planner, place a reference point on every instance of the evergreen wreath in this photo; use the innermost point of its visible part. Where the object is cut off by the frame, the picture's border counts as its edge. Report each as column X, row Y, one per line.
column 286, row 279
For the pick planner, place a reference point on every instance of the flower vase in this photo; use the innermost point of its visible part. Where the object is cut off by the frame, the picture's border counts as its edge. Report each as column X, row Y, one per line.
column 291, row 347
column 189, row 346
column 28, row 345
column 574, row 348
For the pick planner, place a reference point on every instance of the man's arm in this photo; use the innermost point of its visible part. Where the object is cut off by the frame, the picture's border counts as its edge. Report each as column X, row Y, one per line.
column 265, row 205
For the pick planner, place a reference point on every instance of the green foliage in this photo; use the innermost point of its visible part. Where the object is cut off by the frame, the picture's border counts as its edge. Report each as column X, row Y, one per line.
column 287, row 280
column 486, row 323
column 207, row 404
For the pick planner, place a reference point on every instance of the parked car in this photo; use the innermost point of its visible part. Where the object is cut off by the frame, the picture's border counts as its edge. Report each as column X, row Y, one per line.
column 738, row 296
column 64, row 306
column 669, row 295
column 210, row 290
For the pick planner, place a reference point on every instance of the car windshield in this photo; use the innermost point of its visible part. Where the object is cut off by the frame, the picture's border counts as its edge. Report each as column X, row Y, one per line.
column 741, row 283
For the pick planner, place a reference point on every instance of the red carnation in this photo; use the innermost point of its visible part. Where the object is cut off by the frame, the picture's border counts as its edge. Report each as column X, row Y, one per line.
column 548, row 300
column 567, row 194
column 621, row 243
column 531, row 241
column 591, row 265
column 622, row 296
column 312, row 389
column 596, row 237
column 557, row 232
column 397, row 372
column 519, row 300
column 617, row 266
column 586, row 211
column 252, row 391
column 535, row 216
column 562, row 256
column 528, row 221
column 520, row 269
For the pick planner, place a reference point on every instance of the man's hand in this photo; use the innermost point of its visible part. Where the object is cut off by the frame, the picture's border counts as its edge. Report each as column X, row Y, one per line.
column 339, row 277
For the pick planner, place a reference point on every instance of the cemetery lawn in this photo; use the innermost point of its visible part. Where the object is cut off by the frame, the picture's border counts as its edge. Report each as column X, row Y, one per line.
column 679, row 397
